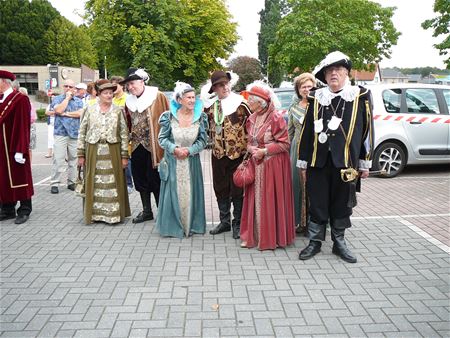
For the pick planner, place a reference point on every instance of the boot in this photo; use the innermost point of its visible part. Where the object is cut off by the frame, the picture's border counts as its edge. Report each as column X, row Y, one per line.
column 7, row 212
column 310, row 251
column 340, row 247
column 316, row 234
column 237, row 211
column 146, row 214
column 225, row 217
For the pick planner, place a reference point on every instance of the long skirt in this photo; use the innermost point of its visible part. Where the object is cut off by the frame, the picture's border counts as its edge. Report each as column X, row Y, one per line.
column 268, row 215
column 106, row 190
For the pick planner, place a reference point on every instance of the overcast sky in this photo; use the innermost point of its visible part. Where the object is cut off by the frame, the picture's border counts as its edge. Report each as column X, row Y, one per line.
column 414, row 47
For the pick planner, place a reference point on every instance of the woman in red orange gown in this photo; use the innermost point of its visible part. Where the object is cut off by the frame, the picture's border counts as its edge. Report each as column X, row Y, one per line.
column 268, row 218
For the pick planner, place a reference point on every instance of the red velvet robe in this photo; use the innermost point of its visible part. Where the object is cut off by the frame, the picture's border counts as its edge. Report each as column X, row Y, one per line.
column 16, row 182
column 269, row 200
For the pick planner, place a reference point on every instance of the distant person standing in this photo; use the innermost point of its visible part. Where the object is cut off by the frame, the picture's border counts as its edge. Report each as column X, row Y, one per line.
column 50, row 124
column 81, row 92
column 68, row 109
column 16, row 181
column 144, row 106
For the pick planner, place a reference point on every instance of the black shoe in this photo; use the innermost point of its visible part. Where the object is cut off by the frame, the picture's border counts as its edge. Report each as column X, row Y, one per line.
column 4, row 217
column 344, row 253
column 142, row 217
column 71, row 186
column 310, row 251
column 220, row 228
column 21, row 219
column 54, row 190
column 236, row 232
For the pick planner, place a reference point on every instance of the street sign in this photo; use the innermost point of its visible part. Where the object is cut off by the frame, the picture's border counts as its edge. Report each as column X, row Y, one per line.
column 47, row 84
column 54, row 82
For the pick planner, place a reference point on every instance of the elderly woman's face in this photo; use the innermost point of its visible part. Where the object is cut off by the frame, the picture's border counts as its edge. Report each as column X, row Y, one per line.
column 335, row 77
column 255, row 104
column 106, row 96
column 188, row 101
column 305, row 88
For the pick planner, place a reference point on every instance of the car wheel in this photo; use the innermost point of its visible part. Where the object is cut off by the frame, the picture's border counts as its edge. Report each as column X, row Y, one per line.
column 391, row 158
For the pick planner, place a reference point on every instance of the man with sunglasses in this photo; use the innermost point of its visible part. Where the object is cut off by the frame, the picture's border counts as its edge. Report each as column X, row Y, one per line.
column 68, row 109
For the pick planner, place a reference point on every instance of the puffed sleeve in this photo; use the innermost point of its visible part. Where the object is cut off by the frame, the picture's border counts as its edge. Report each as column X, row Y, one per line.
column 291, row 126
column 366, row 152
column 165, row 133
column 280, row 135
column 123, row 134
column 202, row 138
column 306, row 136
column 81, row 143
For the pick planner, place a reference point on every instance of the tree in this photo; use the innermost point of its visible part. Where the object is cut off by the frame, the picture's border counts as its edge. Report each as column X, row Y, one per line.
column 441, row 25
column 173, row 40
column 248, row 69
column 359, row 28
column 68, row 44
column 270, row 17
column 22, row 26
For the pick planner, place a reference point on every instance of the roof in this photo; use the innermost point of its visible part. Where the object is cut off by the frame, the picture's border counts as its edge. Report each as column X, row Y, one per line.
column 363, row 75
column 392, row 74
column 414, row 77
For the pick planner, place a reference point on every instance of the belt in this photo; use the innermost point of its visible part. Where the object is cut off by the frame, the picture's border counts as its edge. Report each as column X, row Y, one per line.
column 102, row 141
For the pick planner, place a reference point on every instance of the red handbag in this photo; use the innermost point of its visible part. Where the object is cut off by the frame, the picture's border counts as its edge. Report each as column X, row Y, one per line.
column 244, row 173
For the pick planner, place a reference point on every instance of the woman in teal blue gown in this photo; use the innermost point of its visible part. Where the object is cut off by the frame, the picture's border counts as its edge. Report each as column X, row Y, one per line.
column 183, row 135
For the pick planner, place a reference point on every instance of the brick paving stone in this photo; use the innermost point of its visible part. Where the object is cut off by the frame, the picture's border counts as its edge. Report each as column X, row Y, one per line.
column 62, row 278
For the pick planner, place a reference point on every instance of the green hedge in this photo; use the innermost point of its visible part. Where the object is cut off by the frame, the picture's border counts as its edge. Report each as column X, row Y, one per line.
column 41, row 114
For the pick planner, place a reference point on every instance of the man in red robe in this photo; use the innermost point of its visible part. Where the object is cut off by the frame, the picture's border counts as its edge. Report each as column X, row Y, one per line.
column 15, row 169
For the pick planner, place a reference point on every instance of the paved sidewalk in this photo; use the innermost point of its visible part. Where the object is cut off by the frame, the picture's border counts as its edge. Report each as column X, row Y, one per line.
column 61, row 278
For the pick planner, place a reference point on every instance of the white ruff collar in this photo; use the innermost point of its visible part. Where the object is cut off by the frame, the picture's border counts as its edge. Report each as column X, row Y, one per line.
column 231, row 103
column 142, row 102
column 348, row 93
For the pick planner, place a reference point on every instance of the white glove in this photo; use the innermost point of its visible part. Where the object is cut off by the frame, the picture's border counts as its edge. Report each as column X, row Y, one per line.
column 19, row 158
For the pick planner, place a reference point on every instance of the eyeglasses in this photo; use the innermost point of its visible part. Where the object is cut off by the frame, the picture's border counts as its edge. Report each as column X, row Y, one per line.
column 67, row 86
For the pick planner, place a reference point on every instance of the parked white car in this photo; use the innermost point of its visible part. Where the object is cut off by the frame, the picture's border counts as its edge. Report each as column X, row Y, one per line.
column 411, row 124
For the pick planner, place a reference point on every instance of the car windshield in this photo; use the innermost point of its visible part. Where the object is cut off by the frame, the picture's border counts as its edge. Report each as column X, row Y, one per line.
column 286, row 98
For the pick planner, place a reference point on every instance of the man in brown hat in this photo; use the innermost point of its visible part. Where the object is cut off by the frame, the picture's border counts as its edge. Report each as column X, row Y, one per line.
column 15, row 169
column 144, row 106
column 227, row 113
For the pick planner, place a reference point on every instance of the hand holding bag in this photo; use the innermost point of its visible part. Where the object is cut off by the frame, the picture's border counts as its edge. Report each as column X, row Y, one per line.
column 79, row 184
column 245, row 173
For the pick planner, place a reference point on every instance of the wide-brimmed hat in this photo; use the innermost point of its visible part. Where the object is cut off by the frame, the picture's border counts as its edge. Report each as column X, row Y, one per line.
column 333, row 59
column 135, row 74
column 4, row 74
column 104, row 84
column 217, row 77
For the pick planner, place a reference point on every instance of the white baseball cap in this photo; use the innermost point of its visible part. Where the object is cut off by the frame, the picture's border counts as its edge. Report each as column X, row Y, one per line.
column 81, row 85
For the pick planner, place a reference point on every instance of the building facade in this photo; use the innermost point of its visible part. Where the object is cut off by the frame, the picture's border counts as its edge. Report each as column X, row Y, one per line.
column 50, row 77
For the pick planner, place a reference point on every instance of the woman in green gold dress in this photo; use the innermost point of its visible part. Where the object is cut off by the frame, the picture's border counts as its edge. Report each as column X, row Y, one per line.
column 103, row 152
column 296, row 114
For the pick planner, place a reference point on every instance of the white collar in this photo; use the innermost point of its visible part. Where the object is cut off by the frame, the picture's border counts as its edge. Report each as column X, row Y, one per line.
column 325, row 95
column 6, row 93
column 142, row 102
column 231, row 103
